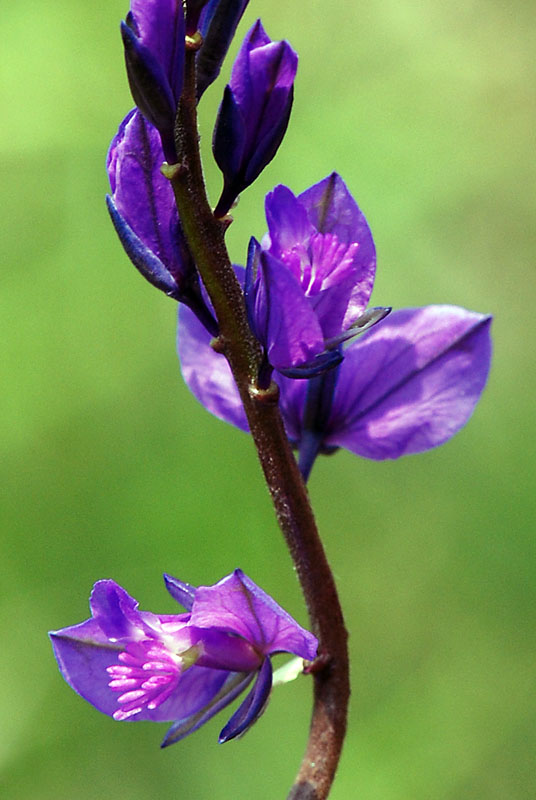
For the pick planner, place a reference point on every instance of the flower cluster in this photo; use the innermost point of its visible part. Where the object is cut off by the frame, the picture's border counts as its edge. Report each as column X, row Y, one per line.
column 349, row 375
column 136, row 665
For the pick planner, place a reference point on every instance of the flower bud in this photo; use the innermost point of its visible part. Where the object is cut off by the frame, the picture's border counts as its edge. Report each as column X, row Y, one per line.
column 254, row 112
column 153, row 39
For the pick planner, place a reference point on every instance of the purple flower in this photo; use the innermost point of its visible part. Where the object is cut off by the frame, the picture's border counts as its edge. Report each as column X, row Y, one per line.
column 254, row 112
column 404, row 387
column 153, row 38
column 308, row 285
column 137, row 665
column 144, row 214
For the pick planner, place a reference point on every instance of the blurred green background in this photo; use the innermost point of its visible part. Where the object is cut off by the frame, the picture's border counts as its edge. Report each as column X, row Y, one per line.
column 110, row 468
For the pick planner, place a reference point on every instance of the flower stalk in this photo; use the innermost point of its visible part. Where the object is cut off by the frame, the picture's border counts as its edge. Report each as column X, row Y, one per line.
column 206, row 239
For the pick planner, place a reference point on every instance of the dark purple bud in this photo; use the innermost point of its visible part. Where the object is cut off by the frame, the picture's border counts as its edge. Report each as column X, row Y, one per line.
column 159, row 24
column 153, row 38
column 254, row 112
column 143, row 207
column 218, row 23
column 143, row 211
column 150, row 89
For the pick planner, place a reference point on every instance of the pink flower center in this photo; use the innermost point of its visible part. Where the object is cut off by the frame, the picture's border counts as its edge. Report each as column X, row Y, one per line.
column 146, row 677
column 321, row 263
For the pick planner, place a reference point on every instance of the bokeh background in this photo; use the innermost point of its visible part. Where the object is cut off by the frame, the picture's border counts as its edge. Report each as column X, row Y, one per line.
column 109, row 467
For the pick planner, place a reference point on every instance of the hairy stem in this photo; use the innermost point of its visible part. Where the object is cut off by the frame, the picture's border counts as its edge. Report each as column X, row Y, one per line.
column 206, row 238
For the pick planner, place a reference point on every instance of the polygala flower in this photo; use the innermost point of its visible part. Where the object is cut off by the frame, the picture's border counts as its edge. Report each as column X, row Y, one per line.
column 153, row 39
column 404, row 387
column 308, row 285
column 144, row 214
column 136, row 665
column 254, row 112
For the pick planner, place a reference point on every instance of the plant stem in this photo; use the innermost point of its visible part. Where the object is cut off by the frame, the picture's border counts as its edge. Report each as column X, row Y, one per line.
column 206, row 238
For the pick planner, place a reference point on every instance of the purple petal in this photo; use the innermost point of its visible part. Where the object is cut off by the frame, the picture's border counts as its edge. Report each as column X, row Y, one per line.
column 149, row 87
column 180, row 591
column 206, row 373
column 288, row 223
column 272, row 69
column 332, row 209
column 142, row 196
column 83, row 653
column 160, row 25
column 114, row 610
column 285, row 323
column 240, row 81
column 117, row 614
column 225, row 687
column 411, row 383
column 271, row 134
column 229, row 138
column 197, row 687
column 237, row 605
column 318, row 366
column 292, row 403
column 252, row 707
column 145, row 261
column 83, row 657
column 331, row 306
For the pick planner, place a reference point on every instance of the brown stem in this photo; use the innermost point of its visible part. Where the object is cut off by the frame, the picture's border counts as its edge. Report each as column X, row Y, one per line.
column 206, row 238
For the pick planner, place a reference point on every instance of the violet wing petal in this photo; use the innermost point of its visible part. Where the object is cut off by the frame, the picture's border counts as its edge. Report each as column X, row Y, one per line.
column 115, row 151
column 285, row 323
column 197, row 687
column 411, row 383
column 83, row 653
column 288, row 223
column 117, row 614
column 225, row 686
column 114, row 610
column 182, row 592
column 142, row 195
column 206, row 373
column 252, row 707
column 330, row 305
column 145, row 261
column 237, row 605
column 332, row 209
